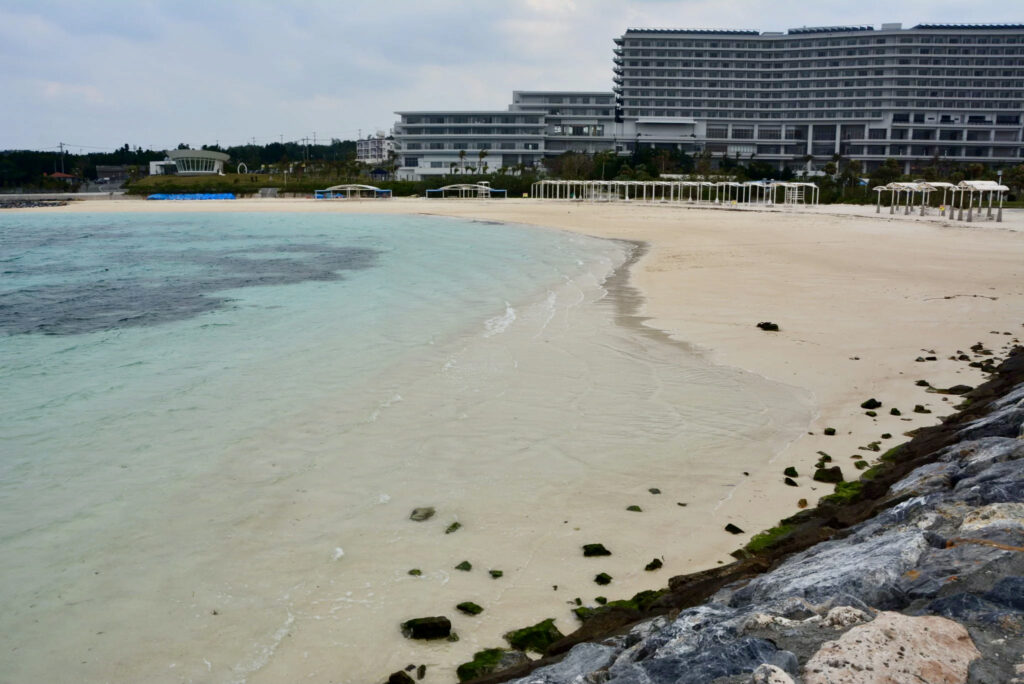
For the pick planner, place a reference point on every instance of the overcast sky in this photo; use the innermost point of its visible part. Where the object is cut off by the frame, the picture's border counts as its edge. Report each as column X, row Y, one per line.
column 154, row 73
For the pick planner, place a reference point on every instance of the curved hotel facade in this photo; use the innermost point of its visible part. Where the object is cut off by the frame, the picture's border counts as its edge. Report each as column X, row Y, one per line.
column 953, row 92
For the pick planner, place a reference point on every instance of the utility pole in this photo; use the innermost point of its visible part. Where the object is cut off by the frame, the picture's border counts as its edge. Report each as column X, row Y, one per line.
column 61, row 157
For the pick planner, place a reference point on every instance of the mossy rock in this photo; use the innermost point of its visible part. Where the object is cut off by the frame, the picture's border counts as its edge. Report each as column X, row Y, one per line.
column 768, row 538
column 845, row 493
column 653, row 565
column 886, row 435
column 496, row 573
column 870, row 414
column 536, row 638
column 833, row 474
column 829, row 431
column 470, row 608
column 600, row 600
column 790, row 481
column 860, row 465
column 871, row 403
column 465, row 566
column 894, row 454
column 415, row 572
column 733, row 529
column 487, row 661
column 400, row 677
column 634, row 508
column 640, row 602
column 895, row 412
column 790, row 472
column 427, row 628
column 454, row 526
column 654, row 490
column 918, row 408
column 602, row 578
column 873, row 472
column 590, row 550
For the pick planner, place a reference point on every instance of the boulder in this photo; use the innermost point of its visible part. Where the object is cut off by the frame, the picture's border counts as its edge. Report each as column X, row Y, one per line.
column 488, row 661
column 790, row 481
column 438, row 627
column 895, row 648
column 871, row 403
column 469, row 608
column 603, row 578
column 535, row 638
column 595, row 550
column 400, row 677
column 421, row 514
column 790, row 472
column 768, row 326
column 653, row 565
column 465, row 566
column 829, row 431
column 833, row 474
column 732, row 529
column 770, row 674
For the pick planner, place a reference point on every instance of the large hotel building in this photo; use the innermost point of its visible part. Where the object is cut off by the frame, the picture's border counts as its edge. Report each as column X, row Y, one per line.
column 948, row 91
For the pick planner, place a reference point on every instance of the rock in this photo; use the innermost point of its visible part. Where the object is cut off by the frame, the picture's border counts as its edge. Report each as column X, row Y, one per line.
column 790, row 472
column 870, row 414
column 400, row 677
column 427, row 628
column 895, row 412
column 918, row 408
column 829, row 431
column 768, row 326
column 653, row 565
column 415, row 572
column 802, row 503
column 833, row 474
column 465, row 566
column 489, row 661
column 469, row 608
column 634, row 508
column 732, row 529
column 791, row 482
column 595, row 550
column 535, row 638
column 454, row 526
column 421, row 514
column 923, row 383
column 495, row 573
column 959, row 389
column 770, row 674
column 421, row 672
column 576, row 666
column 871, row 403
column 603, row 578
column 1005, row 515
column 654, row 490
column 845, row 616
column 893, row 649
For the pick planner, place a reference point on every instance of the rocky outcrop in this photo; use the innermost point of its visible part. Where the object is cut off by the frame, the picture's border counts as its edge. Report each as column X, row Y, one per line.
column 921, row 561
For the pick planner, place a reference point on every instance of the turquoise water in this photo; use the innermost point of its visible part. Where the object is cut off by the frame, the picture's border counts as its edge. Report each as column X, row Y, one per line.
column 214, row 427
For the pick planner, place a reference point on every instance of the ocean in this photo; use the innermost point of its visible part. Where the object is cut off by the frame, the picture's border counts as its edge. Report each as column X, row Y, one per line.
column 214, row 428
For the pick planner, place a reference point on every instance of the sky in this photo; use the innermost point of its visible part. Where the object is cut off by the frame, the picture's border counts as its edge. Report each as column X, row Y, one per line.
column 99, row 74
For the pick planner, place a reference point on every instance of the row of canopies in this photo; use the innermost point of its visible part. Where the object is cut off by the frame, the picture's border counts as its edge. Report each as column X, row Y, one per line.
column 986, row 196
column 690, row 192
column 481, row 190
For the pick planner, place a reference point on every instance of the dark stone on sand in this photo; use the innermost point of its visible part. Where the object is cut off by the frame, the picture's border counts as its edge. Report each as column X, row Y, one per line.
column 654, row 490
column 634, row 508
column 535, row 638
column 886, row 435
column 959, row 389
column 603, row 578
column 595, row 550
column 791, row 482
column 438, row 627
column 790, row 472
column 768, row 326
column 871, row 403
column 653, row 565
column 895, row 412
column 400, row 677
column 923, row 383
column 870, row 414
column 454, row 526
column 421, row 514
column 830, row 431
column 415, row 572
column 465, row 566
column 600, row 600
column 732, row 529
column 833, row 474
column 495, row 573
column 802, row 503
column 469, row 608
column 421, row 672
column 918, row 408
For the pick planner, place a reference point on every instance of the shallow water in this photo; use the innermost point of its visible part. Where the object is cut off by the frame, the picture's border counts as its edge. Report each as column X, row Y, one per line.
column 216, row 426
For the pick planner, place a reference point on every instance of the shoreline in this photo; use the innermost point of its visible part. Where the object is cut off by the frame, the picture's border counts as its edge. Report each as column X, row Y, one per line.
column 688, row 284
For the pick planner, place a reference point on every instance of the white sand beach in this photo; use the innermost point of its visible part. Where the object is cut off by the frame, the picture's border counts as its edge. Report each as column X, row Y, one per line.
column 859, row 297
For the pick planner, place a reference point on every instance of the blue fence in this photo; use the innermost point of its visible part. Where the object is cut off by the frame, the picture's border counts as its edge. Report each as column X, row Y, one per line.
column 193, row 196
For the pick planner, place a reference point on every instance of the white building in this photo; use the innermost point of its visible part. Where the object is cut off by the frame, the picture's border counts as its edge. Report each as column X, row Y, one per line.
column 375, row 149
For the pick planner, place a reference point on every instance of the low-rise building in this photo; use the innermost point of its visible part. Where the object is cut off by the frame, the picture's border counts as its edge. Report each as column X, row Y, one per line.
column 375, row 149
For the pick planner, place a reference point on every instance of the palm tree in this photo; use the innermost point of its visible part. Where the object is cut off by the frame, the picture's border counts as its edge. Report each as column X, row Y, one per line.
column 462, row 160
column 481, row 154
